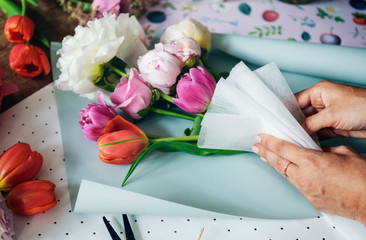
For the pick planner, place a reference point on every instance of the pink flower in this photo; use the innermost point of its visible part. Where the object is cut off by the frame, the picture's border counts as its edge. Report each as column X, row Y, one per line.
column 95, row 117
column 195, row 90
column 6, row 88
column 159, row 68
column 184, row 49
column 132, row 96
column 6, row 221
column 111, row 6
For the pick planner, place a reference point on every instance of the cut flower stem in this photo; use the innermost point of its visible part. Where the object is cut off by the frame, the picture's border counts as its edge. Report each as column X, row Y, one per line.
column 171, row 113
column 118, row 71
column 175, row 139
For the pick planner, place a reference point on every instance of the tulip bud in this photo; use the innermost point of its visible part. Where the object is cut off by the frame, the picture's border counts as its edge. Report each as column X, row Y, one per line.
column 19, row 163
column 19, row 29
column 95, row 117
column 132, row 96
column 28, row 61
column 188, row 28
column 122, row 142
column 195, row 90
column 32, row 197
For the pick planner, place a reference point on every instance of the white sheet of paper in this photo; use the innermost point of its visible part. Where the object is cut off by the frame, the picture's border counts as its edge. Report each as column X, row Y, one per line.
column 248, row 103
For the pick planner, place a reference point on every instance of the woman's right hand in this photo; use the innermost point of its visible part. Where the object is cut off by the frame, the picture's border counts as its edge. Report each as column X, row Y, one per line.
column 334, row 109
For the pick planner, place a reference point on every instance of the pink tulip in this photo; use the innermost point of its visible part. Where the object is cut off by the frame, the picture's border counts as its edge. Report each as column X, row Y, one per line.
column 95, row 117
column 132, row 96
column 195, row 90
column 6, row 88
column 159, row 68
column 111, row 6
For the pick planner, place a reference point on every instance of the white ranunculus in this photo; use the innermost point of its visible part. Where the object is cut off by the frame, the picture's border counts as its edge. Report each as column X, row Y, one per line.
column 97, row 43
column 159, row 68
column 188, row 28
column 6, row 221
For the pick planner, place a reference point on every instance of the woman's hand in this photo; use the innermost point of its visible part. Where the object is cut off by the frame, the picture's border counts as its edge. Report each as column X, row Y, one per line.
column 334, row 181
column 335, row 109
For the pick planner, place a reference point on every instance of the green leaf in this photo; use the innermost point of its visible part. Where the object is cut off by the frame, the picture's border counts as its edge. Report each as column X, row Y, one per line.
column 139, row 158
column 191, row 148
column 33, row 2
column 10, row 8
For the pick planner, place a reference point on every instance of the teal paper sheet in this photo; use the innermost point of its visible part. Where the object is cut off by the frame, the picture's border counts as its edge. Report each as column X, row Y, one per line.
column 332, row 62
column 177, row 183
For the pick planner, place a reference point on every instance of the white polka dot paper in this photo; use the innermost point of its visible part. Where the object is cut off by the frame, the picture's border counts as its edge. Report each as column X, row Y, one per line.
column 35, row 121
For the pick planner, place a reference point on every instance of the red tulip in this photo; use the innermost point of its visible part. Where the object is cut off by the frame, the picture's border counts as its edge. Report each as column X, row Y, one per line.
column 28, row 61
column 18, row 164
column 122, row 142
column 19, row 29
column 32, row 197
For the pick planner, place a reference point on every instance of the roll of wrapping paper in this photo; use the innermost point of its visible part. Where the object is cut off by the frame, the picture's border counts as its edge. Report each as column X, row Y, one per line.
column 332, row 62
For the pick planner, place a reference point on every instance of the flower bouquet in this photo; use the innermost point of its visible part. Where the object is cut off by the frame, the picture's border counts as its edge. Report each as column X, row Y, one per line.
column 171, row 79
column 155, row 101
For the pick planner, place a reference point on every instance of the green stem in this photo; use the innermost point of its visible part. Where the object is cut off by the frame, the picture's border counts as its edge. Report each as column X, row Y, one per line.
column 166, row 97
column 196, row 125
column 172, row 114
column 175, row 139
column 118, row 71
column 23, row 7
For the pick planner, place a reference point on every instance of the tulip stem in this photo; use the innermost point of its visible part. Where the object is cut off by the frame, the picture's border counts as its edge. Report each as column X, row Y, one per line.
column 172, row 114
column 166, row 97
column 118, row 71
column 193, row 138
column 23, row 7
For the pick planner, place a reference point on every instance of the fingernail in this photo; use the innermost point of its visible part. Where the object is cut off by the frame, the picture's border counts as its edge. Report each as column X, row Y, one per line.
column 255, row 149
column 258, row 139
column 264, row 160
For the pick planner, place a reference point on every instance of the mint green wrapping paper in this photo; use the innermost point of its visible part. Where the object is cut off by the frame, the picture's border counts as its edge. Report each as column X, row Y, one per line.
column 332, row 62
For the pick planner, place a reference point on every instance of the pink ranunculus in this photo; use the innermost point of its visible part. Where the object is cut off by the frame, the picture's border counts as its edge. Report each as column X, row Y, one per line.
column 132, row 95
column 184, row 49
column 195, row 90
column 111, row 6
column 6, row 221
column 159, row 68
column 95, row 117
column 6, row 88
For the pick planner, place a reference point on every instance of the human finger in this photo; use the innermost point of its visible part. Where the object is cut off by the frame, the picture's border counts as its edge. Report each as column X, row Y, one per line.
column 320, row 120
column 279, row 147
column 283, row 166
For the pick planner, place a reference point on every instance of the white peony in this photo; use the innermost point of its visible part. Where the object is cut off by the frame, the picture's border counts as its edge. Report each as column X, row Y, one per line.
column 159, row 68
column 97, row 43
column 184, row 49
column 188, row 28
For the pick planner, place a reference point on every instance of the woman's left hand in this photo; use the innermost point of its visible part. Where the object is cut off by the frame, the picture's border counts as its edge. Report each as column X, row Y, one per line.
column 334, row 181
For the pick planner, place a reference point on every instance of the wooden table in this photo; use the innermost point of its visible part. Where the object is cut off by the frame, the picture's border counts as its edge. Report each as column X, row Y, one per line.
column 53, row 22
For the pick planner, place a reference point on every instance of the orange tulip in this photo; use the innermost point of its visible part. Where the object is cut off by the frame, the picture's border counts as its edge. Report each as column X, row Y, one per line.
column 122, row 142
column 31, row 197
column 18, row 164
column 29, row 61
column 19, row 29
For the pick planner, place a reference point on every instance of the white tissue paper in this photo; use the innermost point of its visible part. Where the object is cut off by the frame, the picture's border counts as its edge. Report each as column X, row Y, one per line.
column 251, row 102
